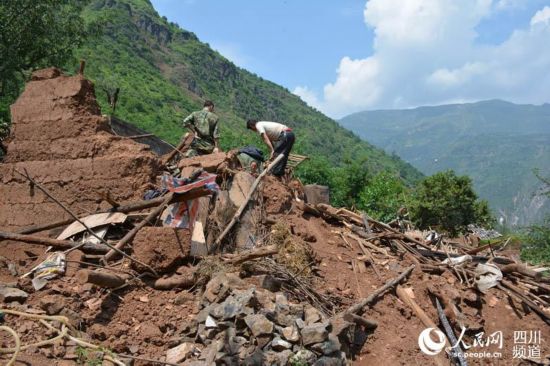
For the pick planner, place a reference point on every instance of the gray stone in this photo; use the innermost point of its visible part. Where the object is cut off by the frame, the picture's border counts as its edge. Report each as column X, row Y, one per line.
column 52, row 304
column 263, row 340
column 315, row 333
column 210, row 322
column 181, row 352
column 278, row 344
column 238, row 304
column 203, row 314
column 277, row 358
column 270, row 283
column 285, row 315
column 331, row 345
column 299, row 323
column 329, row 361
column 258, row 324
column 9, row 294
column 265, row 300
column 311, row 315
column 218, row 288
column 204, row 334
column 291, row 333
column 303, row 356
column 235, row 344
column 255, row 359
column 280, row 298
column 211, row 353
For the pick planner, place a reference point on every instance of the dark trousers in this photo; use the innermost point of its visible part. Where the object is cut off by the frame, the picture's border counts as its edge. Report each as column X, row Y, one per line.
column 283, row 146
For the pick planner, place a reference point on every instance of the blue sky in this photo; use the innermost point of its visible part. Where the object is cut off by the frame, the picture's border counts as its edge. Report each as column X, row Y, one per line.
column 349, row 55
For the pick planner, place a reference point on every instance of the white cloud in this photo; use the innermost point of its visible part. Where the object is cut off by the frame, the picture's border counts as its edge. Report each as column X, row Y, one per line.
column 541, row 16
column 307, row 95
column 425, row 52
column 452, row 78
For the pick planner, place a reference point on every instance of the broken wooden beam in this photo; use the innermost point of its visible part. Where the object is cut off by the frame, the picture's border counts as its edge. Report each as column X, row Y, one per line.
column 181, row 148
column 424, row 318
column 241, row 209
column 175, row 281
column 367, row 323
column 521, row 268
column 512, row 290
column 57, row 244
column 101, row 278
column 251, row 254
column 358, row 307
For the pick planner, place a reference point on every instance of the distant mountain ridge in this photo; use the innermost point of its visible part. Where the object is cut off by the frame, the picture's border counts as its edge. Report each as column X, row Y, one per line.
column 164, row 72
column 495, row 142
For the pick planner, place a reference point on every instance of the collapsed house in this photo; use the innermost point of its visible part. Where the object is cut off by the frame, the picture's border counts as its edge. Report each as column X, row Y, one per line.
column 220, row 266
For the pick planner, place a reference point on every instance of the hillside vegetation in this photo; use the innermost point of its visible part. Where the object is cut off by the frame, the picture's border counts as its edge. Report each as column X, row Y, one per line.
column 165, row 72
column 496, row 143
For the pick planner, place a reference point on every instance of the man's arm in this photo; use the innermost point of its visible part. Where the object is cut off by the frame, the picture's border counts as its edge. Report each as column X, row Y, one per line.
column 269, row 144
column 188, row 121
column 216, row 136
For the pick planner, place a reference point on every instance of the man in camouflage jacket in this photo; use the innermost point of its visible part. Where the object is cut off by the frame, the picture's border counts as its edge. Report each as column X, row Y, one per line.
column 204, row 124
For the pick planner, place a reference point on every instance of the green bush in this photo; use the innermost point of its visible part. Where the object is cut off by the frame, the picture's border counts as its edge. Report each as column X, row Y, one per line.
column 536, row 243
column 383, row 196
column 448, row 202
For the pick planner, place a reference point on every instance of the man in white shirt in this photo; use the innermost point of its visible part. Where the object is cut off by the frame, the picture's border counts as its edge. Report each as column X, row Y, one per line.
column 278, row 137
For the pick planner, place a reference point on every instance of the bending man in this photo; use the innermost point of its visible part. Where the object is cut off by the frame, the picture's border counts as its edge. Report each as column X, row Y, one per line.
column 278, row 137
column 204, row 124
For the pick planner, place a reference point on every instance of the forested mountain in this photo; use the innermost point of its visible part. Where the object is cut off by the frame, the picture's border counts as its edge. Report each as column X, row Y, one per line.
column 496, row 143
column 164, row 72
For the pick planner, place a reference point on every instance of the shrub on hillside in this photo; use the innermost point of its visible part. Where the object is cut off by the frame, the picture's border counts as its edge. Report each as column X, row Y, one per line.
column 448, row 202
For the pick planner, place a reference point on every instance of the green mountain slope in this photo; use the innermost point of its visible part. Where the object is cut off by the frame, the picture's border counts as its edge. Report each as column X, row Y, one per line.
column 497, row 143
column 165, row 72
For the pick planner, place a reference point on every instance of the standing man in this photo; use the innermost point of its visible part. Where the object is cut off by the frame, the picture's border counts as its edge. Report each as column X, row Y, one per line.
column 278, row 137
column 204, row 124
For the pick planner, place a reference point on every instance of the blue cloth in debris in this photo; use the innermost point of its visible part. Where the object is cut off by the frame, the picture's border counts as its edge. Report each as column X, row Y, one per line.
column 253, row 152
column 182, row 214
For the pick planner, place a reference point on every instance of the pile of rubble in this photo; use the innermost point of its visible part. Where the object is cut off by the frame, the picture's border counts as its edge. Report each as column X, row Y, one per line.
column 239, row 324
column 220, row 266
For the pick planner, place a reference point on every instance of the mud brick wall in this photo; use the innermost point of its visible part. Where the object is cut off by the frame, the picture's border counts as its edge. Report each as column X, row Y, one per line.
column 60, row 137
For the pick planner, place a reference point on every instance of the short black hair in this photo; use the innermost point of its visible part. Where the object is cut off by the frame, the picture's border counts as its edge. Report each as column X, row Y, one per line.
column 251, row 123
column 208, row 103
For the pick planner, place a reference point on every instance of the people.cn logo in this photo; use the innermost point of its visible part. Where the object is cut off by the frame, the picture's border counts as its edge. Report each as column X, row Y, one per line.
column 426, row 343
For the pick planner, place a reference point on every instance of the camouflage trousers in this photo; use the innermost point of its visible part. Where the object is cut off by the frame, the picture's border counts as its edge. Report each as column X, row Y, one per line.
column 199, row 147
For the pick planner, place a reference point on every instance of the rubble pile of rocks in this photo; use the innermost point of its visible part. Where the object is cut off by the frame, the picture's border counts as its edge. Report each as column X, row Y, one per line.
column 243, row 325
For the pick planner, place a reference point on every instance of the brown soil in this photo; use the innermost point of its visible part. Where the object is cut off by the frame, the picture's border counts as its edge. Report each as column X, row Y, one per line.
column 162, row 248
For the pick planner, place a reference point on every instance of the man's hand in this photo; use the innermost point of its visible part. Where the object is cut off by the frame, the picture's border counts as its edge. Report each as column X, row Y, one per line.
column 271, row 155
